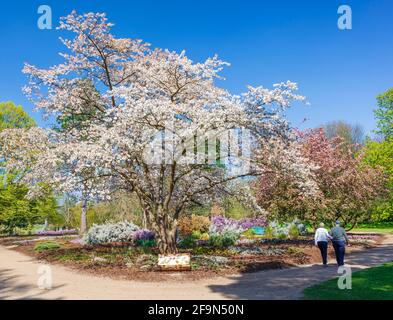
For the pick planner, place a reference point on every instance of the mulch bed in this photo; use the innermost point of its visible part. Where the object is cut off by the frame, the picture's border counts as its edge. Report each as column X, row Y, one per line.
column 135, row 263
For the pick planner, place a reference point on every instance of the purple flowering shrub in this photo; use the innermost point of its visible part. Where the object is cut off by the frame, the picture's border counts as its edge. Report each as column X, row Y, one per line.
column 144, row 238
column 225, row 232
column 143, row 234
column 56, row 232
column 221, row 224
column 248, row 223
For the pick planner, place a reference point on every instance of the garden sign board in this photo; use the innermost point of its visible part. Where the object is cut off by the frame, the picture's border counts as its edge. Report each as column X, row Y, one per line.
column 175, row 262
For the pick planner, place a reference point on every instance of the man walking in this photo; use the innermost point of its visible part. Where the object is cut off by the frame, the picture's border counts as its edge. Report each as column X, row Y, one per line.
column 339, row 239
column 321, row 241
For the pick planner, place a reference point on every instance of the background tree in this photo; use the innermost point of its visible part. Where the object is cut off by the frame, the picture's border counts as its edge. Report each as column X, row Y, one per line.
column 13, row 116
column 380, row 154
column 351, row 135
column 16, row 211
column 347, row 188
column 384, row 113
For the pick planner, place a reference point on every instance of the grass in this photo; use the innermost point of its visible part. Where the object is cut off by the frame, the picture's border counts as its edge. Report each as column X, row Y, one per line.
column 370, row 284
column 377, row 227
column 50, row 245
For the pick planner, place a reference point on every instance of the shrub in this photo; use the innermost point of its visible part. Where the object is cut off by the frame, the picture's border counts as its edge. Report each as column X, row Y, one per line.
column 268, row 232
column 223, row 240
column 248, row 223
column 144, row 238
column 143, row 234
column 279, row 231
column 249, row 233
column 293, row 231
column 195, row 223
column 50, row 245
column 221, row 225
column 111, row 232
column 145, row 242
column 189, row 241
column 204, row 237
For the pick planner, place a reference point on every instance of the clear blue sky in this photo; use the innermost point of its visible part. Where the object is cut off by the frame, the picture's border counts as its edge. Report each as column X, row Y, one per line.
column 265, row 41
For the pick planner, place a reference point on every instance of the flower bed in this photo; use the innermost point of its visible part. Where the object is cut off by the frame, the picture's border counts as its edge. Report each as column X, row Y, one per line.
column 56, row 232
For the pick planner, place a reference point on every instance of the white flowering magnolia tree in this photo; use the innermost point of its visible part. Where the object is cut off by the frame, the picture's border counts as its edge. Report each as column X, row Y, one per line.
column 143, row 120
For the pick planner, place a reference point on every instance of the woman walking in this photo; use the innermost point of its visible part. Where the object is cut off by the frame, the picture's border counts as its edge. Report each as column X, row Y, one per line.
column 322, row 237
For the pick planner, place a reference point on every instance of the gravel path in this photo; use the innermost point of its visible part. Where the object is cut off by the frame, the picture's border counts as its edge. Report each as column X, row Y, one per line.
column 19, row 275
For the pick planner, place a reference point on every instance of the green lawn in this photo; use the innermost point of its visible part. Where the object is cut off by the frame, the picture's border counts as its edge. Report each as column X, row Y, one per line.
column 370, row 284
column 377, row 227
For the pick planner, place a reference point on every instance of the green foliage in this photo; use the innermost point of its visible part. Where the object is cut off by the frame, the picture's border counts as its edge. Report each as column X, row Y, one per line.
column 12, row 116
column 249, row 233
column 376, row 227
column 282, row 236
column 380, row 154
column 384, row 113
column 123, row 207
column 43, row 246
column 269, row 232
column 234, row 208
column 223, row 240
column 293, row 231
column 188, row 241
column 145, row 243
column 16, row 211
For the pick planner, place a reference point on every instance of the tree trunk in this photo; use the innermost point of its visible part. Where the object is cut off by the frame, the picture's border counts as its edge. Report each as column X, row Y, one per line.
column 83, row 227
column 166, row 241
column 165, row 232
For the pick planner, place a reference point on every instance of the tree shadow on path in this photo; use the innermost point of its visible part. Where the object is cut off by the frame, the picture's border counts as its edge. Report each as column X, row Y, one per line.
column 10, row 286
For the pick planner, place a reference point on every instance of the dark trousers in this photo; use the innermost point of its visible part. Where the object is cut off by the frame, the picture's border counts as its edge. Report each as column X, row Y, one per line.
column 339, row 249
column 323, row 247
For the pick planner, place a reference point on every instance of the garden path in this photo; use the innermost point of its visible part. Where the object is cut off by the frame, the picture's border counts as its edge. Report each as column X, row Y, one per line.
column 19, row 276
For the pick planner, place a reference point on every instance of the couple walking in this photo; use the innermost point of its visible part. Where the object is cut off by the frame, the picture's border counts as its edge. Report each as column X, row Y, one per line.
column 339, row 239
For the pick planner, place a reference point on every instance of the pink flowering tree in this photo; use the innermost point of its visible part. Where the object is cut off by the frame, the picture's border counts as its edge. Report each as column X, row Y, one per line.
column 143, row 120
column 346, row 187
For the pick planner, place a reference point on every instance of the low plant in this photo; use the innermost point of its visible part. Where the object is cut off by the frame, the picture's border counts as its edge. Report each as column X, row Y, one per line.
column 269, row 233
column 145, row 243
column 249, row 233
column 189, row 241
column 223, row 240
column 293, row 231
column 43, row 246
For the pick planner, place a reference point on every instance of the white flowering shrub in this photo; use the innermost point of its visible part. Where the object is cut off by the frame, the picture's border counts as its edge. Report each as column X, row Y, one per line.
column 110, row 232
column 279, row 230
column 284, row 230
